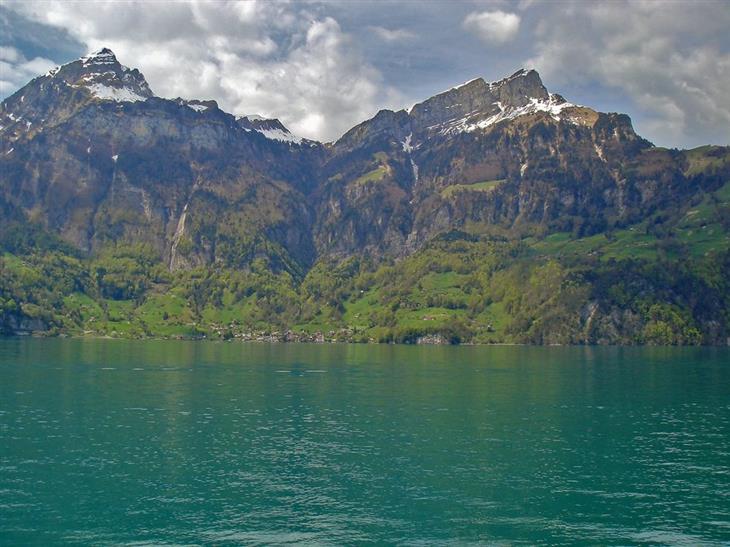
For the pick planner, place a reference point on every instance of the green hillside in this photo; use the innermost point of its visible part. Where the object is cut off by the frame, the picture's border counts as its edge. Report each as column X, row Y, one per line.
column 662, row 281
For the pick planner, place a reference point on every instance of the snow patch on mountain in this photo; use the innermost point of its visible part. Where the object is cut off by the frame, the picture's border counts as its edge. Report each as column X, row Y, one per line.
column 599, row 152
column 118, row 94
column 408, row 148
column 406, row 144
column 103, row 76
column 280, row 135
column 103, row 56
column 465, row 83
column 554, row 106
column 271, row 128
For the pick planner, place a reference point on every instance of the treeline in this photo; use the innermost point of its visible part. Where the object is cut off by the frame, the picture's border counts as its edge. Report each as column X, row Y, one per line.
column 457, row 289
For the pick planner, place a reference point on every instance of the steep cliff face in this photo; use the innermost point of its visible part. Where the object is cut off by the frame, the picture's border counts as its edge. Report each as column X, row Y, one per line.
column 101, row 160
column 89, row 152
column 504, row 158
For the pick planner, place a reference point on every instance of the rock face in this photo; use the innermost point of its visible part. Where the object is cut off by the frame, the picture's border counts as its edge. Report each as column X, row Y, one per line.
column 505, row 158
column 89, row 152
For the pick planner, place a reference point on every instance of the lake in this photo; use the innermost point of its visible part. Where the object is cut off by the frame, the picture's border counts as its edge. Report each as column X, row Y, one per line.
column 111, row 442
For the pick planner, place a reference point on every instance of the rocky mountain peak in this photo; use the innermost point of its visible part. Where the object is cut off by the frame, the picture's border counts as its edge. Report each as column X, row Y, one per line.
column 104, row 77
column 519, row 88
column 478, row 98
column 271, row 128
column 62, row 91
column 260, row 123
column 478, row 104
column 104, row 56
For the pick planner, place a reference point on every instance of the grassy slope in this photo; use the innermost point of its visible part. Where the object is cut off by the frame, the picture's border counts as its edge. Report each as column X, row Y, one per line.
column 697, row 232
column 483, row 186
column 487, row 291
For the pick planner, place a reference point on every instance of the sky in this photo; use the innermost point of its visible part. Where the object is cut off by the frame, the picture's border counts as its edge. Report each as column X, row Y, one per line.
column 322, row 67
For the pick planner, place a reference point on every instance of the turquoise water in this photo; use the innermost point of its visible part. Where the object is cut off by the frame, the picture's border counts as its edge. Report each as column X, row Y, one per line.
column 196, row 443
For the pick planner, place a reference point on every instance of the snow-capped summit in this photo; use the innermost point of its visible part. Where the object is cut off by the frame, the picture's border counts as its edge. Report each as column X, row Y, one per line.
column 107, row 79
column 104, row 77
column 104, row 56
column 271, row 128
column 58, row 94
column 478, row 104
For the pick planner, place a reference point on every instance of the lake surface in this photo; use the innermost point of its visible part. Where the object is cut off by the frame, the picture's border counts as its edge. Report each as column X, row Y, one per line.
column 110, row 442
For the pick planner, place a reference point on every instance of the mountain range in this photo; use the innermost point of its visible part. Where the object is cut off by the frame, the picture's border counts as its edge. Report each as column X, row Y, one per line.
column 491, row 212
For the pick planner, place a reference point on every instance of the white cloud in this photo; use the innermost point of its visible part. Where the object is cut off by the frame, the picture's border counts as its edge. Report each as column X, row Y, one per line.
column 16, row 70
column 393, row 35
column 493, row 27
column 9, row 54
column 650, row 52
column 270, row 58
column 299, row 61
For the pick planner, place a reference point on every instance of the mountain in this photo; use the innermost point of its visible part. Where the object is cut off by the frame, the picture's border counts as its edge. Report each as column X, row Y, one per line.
column 499, row 156
column 97, row 169
column 92, row 154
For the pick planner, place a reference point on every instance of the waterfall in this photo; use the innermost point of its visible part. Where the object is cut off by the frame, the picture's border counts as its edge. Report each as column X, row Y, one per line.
column 179, row 231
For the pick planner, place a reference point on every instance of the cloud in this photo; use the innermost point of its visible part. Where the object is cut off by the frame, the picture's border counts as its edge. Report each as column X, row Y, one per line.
column 651, row 53
column 274, row 59
column 16, row 70
column 493, row 27
column 323, row 66
column 392, row 35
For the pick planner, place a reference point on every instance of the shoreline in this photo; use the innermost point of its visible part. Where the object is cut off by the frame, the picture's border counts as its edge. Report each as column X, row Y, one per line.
column 38, row 336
